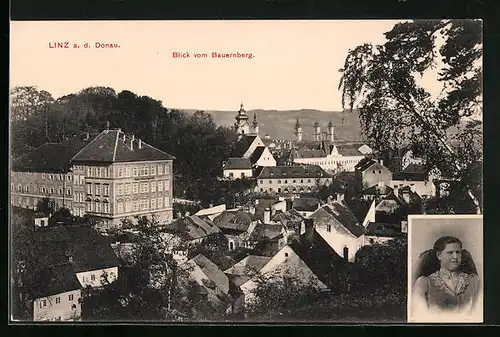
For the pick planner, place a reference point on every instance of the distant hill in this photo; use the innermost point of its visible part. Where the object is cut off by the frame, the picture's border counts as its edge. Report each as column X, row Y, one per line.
column 280, row 124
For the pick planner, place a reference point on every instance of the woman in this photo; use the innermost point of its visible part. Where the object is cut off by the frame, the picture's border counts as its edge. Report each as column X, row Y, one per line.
column 448, row 290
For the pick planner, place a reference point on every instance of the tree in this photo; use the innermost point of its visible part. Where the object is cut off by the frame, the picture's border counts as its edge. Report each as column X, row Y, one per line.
column 45, row 205
column 397, row 113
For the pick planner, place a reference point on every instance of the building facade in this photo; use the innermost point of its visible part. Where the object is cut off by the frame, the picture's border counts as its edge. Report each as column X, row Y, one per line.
column 299, row 178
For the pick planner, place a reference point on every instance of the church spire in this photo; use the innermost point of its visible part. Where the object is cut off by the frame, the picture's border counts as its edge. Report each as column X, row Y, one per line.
column 255, row 124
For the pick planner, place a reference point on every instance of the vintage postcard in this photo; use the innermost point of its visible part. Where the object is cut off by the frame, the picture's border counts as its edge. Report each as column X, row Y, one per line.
column 244, row 171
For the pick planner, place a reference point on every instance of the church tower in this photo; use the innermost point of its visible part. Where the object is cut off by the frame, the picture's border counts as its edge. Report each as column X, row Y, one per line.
column 255, row 124
column 330, row 134
column 298, row 131
column 241, row 126
column 317, row 132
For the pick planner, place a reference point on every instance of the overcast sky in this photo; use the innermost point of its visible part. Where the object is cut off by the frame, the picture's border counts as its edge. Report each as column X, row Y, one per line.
column 295, row 66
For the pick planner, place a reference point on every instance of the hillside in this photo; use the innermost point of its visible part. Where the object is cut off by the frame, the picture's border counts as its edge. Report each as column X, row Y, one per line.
column 280, row 124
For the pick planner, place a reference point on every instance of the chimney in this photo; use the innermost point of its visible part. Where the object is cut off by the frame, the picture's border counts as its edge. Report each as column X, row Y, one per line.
column 267, row 215
column 140, row 144
column 132, row 142
column 107, row 125
column 329, row 200
column 124, row 137
column 87, row 136
column 309, row 230
column 340, row 197
column 382, row 162
column 406, row 195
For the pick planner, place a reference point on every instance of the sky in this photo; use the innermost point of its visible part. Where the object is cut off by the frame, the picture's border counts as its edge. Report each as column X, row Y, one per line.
column 295, row 64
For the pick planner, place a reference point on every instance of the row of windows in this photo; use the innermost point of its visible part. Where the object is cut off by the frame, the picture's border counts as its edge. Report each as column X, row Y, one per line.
column 98, row 189
column 41, row 190
column 43, row 303
column 98, row 207
column 330, row 162
column 134, row 188
column 294, row 181
column 286, row 190
column 142, row 204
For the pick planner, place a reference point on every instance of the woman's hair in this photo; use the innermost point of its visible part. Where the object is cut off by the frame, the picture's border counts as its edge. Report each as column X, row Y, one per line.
column 443, row 241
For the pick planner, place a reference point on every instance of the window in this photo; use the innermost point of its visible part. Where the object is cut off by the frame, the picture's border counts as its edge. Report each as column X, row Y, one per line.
column 119, row 189
column 153, row 203
column 128, row 206
column 127, row 189
column 134, row 171
column 293, row 181
column 167, row 202
column 60, row 191
column 70, row 297
column 308, row 180
column 97, row 189
column 120, row 172
column 135, row 205
column 107, row 172
column 372, row 241
column 105, row 190
column 328, row 228
column 51, row 191
column 68, row 192
column 58, row 300
column 135, row 188
column 75, row 197
column 373, row 171
column 231, row 175
column 301, row 181
column 153, row 170
column 160, row 169
column 98, row 207
column 89, row 188
column 92, row 277
column 160, row 202
column 153, row 186
column 105, row 207
column 120, row 207
column 242, row 175
column 346, row 253
column 167, row 185
column 44, row 303
column 262, row 181
column 146, row 170
column 81, row 196
column 43, row 175
column 144, row 187
column 270, row 181
column 127, row 171
column 279, row 181
column 286, row 254
column 286, row 181
column 82, row 180
column 379, row 171
column 167, row 169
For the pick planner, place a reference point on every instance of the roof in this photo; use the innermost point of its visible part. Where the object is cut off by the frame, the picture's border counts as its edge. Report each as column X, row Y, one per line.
column 290, row 218
column 412, row 172
column 110, row 146
column 242, row 145
column 307, row 153
column 266, row 231
column 306, row 204
column 295, row 171
column 53, row 280
column 319, row 256
column 238, row 164
column 249, row 266
column 378, row 190
column 213, row 272
column 345, row 216
column 194, row 227
column 349, row 150
column 364, row 164
column 49, row 157
column 234, row 220
column 383, row 229
column 212, row 210
column 257, row 154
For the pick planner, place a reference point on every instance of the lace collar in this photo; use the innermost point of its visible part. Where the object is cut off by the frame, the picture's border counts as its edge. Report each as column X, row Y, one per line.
column 461, row 281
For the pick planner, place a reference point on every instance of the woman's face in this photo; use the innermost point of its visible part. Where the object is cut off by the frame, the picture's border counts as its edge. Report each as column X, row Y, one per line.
column 451, row 256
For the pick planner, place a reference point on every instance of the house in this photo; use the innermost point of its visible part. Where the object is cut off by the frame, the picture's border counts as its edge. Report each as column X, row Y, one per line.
column 293, row 222
column 245, row 269
column 193, row 229
column 233, row 224
column 381, row 233
column 305, row 206
column 286, row 263
column 417, row 177
column 373, row 172
column 46, row 172
column 332, row 156
column 56, row 294
column 246, row 145
column 236, row 168
column 212, row 284
column 296, row 179
column 395, row 207
column 265, row 232
column 339, row 227
column 41, row 220
column 261, row 156
column 376, row 191
column 119, row 176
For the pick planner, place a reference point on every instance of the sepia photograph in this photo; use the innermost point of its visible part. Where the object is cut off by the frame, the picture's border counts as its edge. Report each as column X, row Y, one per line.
column 446, row 258
column 245, row 171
